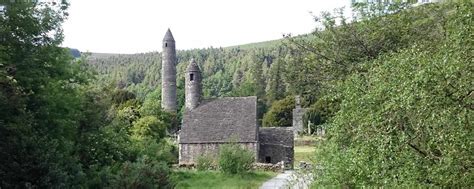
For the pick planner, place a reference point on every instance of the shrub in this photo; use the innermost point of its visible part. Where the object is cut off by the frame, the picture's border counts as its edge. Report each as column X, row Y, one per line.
column 280, row 114
column 234, row 159
column 407, row 120
column 204, row 162
column 148, row 126
column 144, row 173
column 320, row 112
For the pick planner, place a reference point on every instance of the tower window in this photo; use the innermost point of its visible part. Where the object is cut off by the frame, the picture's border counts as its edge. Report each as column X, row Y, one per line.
column 191, row 77
column 166, row 44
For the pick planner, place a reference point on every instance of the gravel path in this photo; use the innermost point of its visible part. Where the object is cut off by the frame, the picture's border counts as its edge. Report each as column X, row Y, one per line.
column 288, row 179
column 280, row 181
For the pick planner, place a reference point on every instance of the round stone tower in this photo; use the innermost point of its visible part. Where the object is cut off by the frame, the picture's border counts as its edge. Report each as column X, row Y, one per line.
column 193, row 85
column 168, row 73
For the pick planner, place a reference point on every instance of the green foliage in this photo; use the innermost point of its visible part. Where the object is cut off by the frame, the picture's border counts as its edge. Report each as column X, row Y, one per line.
column 205, row 162
column 280, row 113
column 226, row 72
column 406, row 120
column 120, row 96
column 338, row 46
column 321, row 111
column 129, row 144
column 39, row 92
column 152, row 107
column 276, row 84
column 144, row 173
column 152, row 103
column 393, row 86
column 148, row 127
column 127, row 112
column 97, row 146
column 235, row 159
column 257, row 71
column 58, row 129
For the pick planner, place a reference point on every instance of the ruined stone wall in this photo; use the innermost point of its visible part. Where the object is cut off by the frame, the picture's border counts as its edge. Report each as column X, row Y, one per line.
column 276, row 144
column 188, row 153
column 276, row 153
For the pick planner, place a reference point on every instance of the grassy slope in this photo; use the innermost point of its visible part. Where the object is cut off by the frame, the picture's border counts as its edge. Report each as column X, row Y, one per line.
column 214, row 179
column 305, row 148
column 304, row 153
column 268, row 44
column 263, row 44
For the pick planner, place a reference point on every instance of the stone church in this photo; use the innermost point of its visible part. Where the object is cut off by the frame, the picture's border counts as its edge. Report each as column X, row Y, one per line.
column 209, row 123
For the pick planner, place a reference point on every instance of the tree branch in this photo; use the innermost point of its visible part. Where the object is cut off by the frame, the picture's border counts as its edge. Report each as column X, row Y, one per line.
column 417, row 149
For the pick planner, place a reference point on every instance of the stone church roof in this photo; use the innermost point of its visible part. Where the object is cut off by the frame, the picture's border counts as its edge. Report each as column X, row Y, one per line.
column 221, row 120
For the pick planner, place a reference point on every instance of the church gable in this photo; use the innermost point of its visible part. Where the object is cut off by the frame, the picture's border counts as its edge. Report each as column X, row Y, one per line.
column 221, row 120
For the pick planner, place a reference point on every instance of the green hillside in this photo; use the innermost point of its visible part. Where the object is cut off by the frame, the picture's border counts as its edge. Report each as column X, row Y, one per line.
column 256, row 45
column 263, row 44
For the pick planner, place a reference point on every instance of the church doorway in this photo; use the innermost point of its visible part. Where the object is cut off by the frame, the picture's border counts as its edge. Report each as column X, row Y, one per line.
column 268, row 159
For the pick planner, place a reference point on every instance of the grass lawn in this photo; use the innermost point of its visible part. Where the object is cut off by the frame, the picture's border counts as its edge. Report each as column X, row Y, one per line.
column 215, row 179
column 304, row 153
column 306, row 137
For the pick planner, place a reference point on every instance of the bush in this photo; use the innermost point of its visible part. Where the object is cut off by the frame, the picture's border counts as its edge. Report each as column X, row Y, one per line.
column 148, row 127
column 280, row 114
column 144, row 173
column 204, row 162
column 234, row 159
column 407, row 121
column 320, row 112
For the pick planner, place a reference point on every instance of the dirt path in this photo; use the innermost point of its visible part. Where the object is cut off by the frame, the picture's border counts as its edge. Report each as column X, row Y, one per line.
column 288, row 179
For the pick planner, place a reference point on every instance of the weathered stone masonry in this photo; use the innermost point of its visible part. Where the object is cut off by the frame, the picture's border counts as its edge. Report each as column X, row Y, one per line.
column 208, row 124
column 216, row 122
column 168, row 74
column 189, row 152
column 298, row 114
column 276, row 144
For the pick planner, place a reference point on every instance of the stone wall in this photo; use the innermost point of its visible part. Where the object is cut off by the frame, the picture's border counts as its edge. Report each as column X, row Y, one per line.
column 276, row 145
column 188, row 153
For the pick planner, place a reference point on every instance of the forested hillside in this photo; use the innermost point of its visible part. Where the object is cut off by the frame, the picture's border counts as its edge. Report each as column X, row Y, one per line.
column 254, row 70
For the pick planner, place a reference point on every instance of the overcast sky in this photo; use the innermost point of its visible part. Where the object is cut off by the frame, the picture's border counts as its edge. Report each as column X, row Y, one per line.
column 134, row 26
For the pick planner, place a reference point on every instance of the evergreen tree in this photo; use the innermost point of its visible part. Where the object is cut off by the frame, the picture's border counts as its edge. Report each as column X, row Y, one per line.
column 276, row 85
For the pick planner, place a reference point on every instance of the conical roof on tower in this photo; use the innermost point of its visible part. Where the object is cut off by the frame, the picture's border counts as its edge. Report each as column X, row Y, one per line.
column 193, row 66
column 168, row 36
